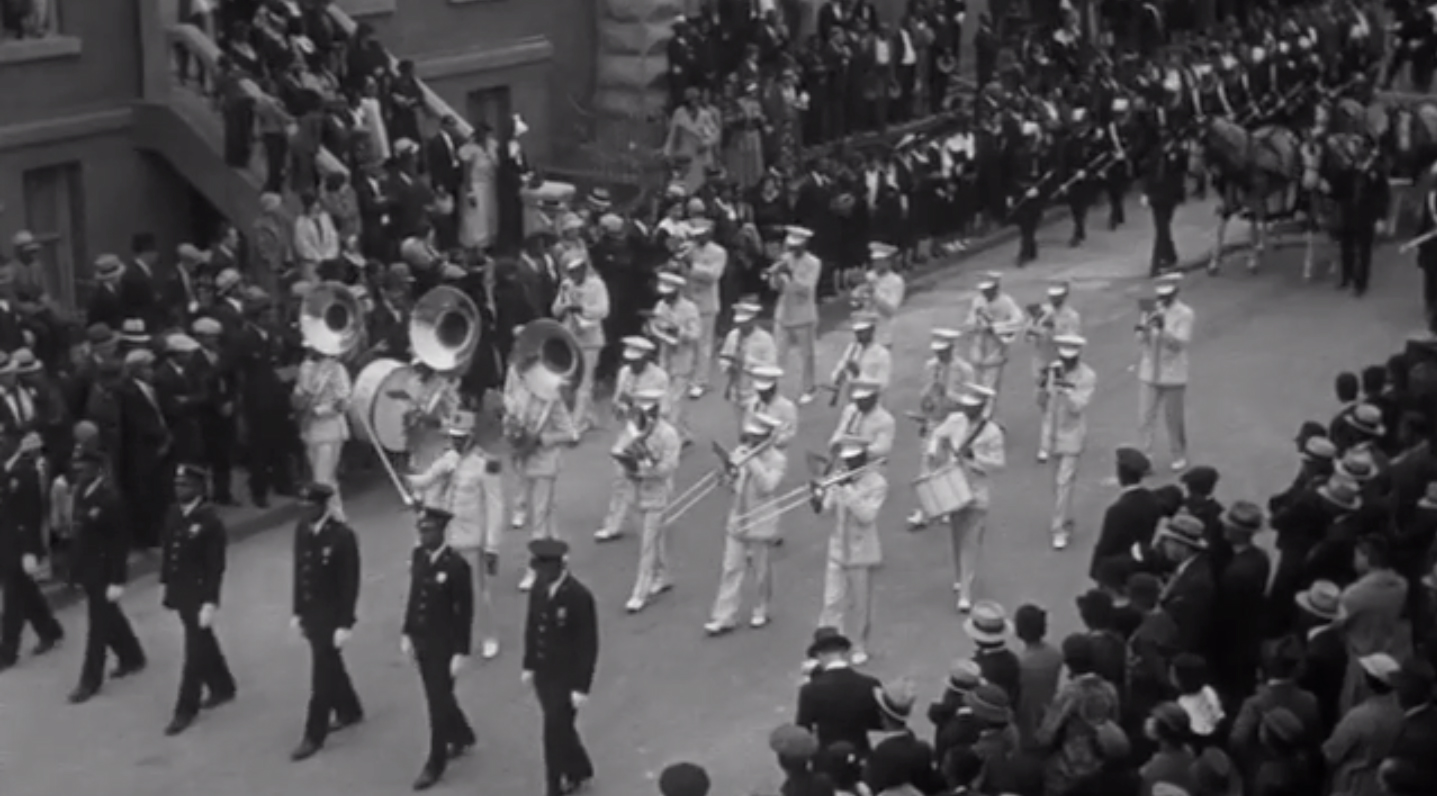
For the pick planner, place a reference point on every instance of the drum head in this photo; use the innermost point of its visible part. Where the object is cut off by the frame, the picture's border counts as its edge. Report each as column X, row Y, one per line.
column 382, row 397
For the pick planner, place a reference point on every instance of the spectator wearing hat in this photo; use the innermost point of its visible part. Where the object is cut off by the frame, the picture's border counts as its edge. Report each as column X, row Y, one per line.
column 1412, row 468
column 23, row 548
column 316, row 241
column 968, row 439
column 438, row 623
column 1151, row 650
column 1285, row 763
column 1367, row 733
column 145, row 446
column 1198, row 484
column 954, row 725
column 1279, row 691
column 1083, row 704
column 213, row 369
column 1116, row 775
column 192, row 571
column 20, row 408
column 797, row 751
column 99, row 565
column 1165, row 334
column 258, row 353
column 683, row 779
column 899, row 757
column 1132, row 519
column 326, row 596
column 707, row 265
column 1418, row 735
column 995, row 320
column 1040, row 666
column 1324, row 664
column 106, row 304
column 794, row 277
column 757, row 468
column 582, row 305
column 746, row 348
column 1169, row 729
column 561, row 648
column 271, row 240
column 1241, row 590
column 1370, row 615
column 1302, row 525
column 988, row 626
column 838, row 703
column 466, row 481
column 1316, row 454
column 180, row 389
column 139, row 287
column 1188, row 595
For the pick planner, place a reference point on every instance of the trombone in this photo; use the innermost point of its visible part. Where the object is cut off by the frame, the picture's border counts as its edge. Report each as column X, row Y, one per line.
column 810, row 493
column 725, row 473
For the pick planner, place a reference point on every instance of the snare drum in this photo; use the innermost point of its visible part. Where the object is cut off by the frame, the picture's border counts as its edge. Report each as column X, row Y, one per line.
column 943, row 492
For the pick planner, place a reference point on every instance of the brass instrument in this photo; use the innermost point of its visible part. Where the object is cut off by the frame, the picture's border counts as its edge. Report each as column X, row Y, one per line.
column 330, row 322
column 444, row 329
column 810, row 493
column 1053, row 385
column 775, row 274
column 661, row 329
column 861, row 297
column 636, row 454
column 549, row 362
column 726, row 473
column 850, row 358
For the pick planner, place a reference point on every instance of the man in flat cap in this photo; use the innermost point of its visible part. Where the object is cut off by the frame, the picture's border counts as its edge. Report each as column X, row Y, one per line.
column 438, row 624
column 192, row 572
column 561, row 650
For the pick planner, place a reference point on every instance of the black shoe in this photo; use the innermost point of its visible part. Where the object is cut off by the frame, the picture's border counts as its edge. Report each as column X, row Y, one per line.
column 457, row 750
column 574, row 786
column 48, row 644
column 215, row 700
column 82, row 694
column 345, row 722
column 427, row 779
column 304, row 751
column 127, row 669
column 6, row 663
column 179, row 724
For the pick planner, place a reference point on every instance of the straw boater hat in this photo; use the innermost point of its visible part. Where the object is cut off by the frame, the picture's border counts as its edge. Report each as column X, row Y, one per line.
column 181, row 344
column 1357, row 465
column 1323, row 599
column 896, row 699
column 1341, row 492
column 964, row 676
column 987, row 623
column 23, row 361
column 108, row 267
column 133, row 331
column 1319, row 448
column 1367, row 419
column 1380, row 666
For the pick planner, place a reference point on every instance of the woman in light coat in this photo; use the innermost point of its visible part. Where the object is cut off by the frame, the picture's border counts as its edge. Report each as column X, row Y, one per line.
column 466, row 482
column 479, row 208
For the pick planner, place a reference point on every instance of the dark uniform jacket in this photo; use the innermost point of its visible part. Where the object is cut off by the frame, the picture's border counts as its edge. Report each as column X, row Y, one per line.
column 326, row 574
column 1132, row 519
column 440, row 612
column 22, row 518
column 839, row 704
column 193, row 567
column 561, row 635
column 100, row 557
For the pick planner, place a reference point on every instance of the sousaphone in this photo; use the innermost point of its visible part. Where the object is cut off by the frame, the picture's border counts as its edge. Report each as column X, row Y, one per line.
column 331, row 319
column 444, row 329
column 547, row 358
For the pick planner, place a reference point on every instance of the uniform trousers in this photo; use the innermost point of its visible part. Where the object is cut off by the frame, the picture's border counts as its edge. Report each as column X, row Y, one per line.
column 566, row 762
column 966, row 528
column 800, row 336
column 584, row 395
column 1045, row 421
column 1065, row 475
column 483, row 593
column 24, row 603
column 447, row 723
column 108, row 629
column 1165, row 252
column 678, row 403
column 1169, row 398
column 534, row 502
column 1357, row 257
column 204, row 666
column 848, row 601
column 331, row 694
column 704, row 358
column 324, row 469
column 745, row 563
column 990, row 376
column 1078, row 207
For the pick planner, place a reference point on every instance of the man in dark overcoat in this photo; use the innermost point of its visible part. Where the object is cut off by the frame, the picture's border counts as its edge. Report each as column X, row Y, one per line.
column 1133, row 517
column 1236, row 650
column 838, row 703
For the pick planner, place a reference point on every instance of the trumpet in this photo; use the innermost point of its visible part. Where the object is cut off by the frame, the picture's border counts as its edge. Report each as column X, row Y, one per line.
column 850, row 359
column 634, row 456
column 811, row 493
column 780, row 270
column 861, row 296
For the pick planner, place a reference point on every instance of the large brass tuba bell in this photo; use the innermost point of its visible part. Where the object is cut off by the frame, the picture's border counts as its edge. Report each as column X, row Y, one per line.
column 444, row 329
column 547, row 356
column 331, row 319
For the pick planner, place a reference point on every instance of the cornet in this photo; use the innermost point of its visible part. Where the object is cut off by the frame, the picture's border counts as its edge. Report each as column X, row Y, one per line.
column 862, row 295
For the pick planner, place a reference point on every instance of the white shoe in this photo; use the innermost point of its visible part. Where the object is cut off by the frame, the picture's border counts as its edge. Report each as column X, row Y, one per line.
column 1060, row 540
column 696, row 392
column 806, row 398
column 518, row 521
column 527, row 582
column 1042, row 456
column 490, row 650
column 758, row 620
column 604, row 535
column 964, row 604
column 916, row 521
column 660, row 587
column 634, row 605
column 859, row 657
column 1180, row 465
column 717, row 629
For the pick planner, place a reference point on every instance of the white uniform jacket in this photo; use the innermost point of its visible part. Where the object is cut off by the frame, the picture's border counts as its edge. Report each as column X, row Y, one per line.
column 1070, row 422
column 945, row 381
column 550, row 418
column 887, row 295
column 985, row 453
column 1172, row 348
column 325, row 385
column 757, row 349
column 797, row 303
column 875, row 364
column 654, row 479
column 854, row 542
column 592, row 299
column 706, row 268
column 1052, row 322
column 680, row 357
column 875, row 428
column 757, row 481
column 991, row 339
column 782, row 409
column 471, row 487
column 627, row 385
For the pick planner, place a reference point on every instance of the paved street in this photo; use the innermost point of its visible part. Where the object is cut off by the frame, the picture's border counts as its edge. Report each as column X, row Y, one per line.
column 1267, row 346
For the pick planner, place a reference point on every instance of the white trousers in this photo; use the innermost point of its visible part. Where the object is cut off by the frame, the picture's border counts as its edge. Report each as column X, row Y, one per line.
column 703, row 361
column 802, row 337
column 1065, row 475
column 483, row 594
column 1170, row 399
column 745, row 563
column 965, row 532
column 534, row 501
column 848, row 601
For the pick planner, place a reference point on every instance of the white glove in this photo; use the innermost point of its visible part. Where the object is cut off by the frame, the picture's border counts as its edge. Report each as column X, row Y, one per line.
column 406, row 646
column 456, row 664
column 295, row 627
column 578, row 698
column 30, row 564
column 114, row 592
column 341, row 636
column 526, row 677
column 207, row 615
column 1143, row 200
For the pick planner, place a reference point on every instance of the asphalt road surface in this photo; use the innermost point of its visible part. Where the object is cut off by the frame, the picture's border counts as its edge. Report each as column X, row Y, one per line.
column 1266, row 348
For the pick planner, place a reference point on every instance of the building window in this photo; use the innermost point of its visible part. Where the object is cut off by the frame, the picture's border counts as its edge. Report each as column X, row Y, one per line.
column 55, row 215
column 492, row 106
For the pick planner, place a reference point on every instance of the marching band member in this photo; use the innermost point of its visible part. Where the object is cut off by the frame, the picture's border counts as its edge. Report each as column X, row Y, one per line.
column 1068, row 386
column 768, row 402
column 321, row 396
column 946, row 378
column 538, row 426
column 854, row 551
column 467, row 482
column 864, row 359
column 882, row 292
column 675, row 324
column 435, row 401
column 746, row 347
column 639, row 374
column 970, row 439
column 707, row 262
column 648, row 454
column 1054, row 318
column 795, row 278
column 583, row 304
column 1165, row 332
column 994, row 320
column 756, row 468
column 864, row 419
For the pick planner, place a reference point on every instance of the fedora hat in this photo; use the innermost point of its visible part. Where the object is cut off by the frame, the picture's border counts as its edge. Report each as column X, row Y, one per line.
column 1184, row 529
column 1243, row 515
column 1214, row 774
column 987, row 623
column 1341, row 492
column 896, row 699
column 1323, row 599
column 989, row 703
column 828, row 639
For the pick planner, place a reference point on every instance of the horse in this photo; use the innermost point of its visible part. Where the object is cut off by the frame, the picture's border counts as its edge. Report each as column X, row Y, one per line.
column 1254, row 168
column 1330, row 164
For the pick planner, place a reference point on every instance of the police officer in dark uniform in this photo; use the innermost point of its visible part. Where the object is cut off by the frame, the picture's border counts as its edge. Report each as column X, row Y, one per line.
column 326, row 593
column 1027, row 199
column 1075, row 154
column 438, row 621
column 22, row 547
column 561, row 650
column 192, row 572
column 100, row 567
column 1163, row 192
column 1364, row 209
column 1117, row 176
